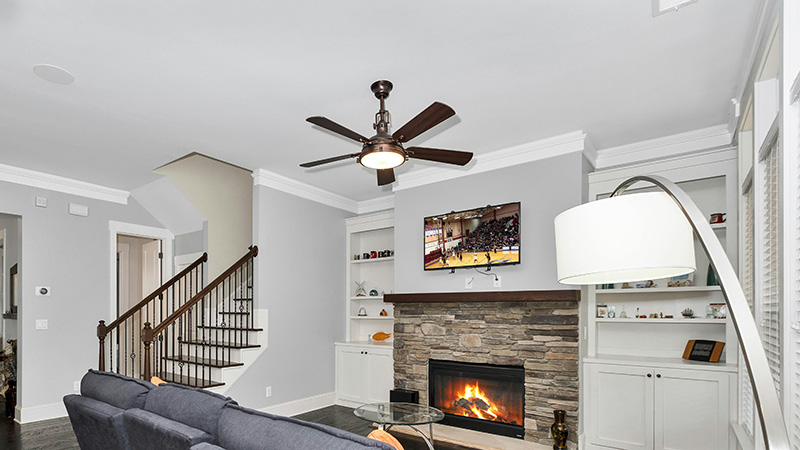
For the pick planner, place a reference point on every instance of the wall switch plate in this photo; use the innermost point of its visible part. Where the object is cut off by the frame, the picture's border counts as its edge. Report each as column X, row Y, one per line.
column 41, row 202
column 43, row 291
column 468, row 282
column 76, row 386
column 498, row 281
column 268, row 391
column 41, row 324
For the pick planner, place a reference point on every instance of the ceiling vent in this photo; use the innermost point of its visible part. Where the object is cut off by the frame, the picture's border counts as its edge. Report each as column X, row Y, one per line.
column 665, row 6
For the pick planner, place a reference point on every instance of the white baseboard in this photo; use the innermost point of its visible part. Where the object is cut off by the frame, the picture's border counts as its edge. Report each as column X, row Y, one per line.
column 41, row 412
column 348, row 403
column 302, row 405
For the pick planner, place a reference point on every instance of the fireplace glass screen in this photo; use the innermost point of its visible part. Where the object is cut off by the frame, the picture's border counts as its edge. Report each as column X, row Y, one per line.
column 481, row 397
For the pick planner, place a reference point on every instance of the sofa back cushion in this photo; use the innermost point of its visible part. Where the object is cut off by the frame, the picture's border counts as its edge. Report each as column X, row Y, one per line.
column 245, row 429
column 195, row 407
column 115, row 389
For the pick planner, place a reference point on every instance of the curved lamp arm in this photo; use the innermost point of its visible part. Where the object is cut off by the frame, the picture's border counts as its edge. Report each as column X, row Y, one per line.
column 766, row 396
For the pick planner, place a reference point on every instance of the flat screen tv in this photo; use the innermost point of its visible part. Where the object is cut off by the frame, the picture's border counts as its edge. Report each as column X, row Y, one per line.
column 480, row 237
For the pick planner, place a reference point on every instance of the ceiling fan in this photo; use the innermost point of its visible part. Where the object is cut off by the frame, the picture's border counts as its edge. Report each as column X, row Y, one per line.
column 385, row 151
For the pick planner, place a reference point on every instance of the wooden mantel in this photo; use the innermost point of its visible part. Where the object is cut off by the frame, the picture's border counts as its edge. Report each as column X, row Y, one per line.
column 486, row 296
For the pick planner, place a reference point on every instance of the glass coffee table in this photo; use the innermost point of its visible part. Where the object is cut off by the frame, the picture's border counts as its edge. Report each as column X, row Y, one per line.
column 389, row 414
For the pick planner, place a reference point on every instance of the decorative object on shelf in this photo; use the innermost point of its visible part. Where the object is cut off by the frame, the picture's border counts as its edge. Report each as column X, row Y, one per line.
column 651, row 235
column 380, row 336
column 687, row 313
column 623, row 314
column 680, row 281
column 668, row 316
column 356, row 257
column 626, row 285
column 383, row 313
column 612, row 312
column 711, row 278
column 718, row 311
column 373, row 293
column 373, row 254
column 607, row 286
column 365, row 256
column 709, row 311
column 701, row 350
column 718, row 218
column 362, row 312
column 646, row 285
column 361, row 291
column 559, row 429
column 602, row 311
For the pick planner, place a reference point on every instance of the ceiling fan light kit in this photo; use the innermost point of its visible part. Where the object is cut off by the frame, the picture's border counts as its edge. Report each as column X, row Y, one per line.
column 385, row 151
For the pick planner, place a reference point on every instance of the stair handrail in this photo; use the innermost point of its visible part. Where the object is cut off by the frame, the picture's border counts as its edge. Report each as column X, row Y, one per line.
column 103, row 329
column 149, row 333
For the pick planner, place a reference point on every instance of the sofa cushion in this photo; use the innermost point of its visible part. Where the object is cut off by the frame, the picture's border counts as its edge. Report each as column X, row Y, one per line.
column 115, row 389
column 97, row 425
column 206, row 446
column 194, row 407
column 148, row 431
column 245, row 429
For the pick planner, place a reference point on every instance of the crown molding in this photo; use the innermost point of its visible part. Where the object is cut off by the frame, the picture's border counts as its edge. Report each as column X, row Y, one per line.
column 512, row 156
column 376, row 204
column 262, row 177
column 664, row 147
column 65, row 185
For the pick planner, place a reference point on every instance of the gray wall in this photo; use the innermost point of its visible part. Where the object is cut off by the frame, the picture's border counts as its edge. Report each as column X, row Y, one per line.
column 188, row 243
column 545, row 189
column 301, row 281
column 70, row 254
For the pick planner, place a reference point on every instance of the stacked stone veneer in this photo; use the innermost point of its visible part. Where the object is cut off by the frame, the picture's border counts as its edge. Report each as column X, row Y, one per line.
column 542, row 336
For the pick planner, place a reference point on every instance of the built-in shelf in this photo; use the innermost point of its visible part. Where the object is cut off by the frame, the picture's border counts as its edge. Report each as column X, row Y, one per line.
column 674, row 362
column 372, row 260
column 670, row 290
column 662, row 321
column 484, row 296
column 364, row 297
column 372, row 317
column 719, row 226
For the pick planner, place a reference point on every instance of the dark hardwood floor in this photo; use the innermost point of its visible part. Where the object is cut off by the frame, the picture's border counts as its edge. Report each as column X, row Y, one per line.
column 57, row 434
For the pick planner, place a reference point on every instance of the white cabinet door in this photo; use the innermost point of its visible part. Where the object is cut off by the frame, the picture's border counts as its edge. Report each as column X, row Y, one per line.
column 350, row 373
column 691, row 410
column 621, row 407
column 381, row 376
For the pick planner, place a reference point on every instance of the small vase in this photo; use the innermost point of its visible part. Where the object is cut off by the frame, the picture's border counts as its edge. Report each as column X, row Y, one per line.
column 559, row 430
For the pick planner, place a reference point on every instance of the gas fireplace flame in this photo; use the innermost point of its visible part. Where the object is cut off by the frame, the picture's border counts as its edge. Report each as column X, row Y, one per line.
column 473, row 400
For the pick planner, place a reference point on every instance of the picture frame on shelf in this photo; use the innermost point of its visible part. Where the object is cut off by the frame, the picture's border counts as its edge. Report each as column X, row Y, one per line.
column 602, row 311
column 681, row 280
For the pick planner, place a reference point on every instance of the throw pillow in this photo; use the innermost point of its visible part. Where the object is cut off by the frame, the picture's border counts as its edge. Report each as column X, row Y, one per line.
column 383, row 436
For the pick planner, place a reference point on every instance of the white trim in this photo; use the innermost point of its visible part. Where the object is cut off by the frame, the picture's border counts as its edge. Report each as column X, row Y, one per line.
column 376, row 204
column 40, row 412
column 664, row 147
column 56, row 183
column 132, row 229
column 529, row 152
column 302, row 405
column 281, row 183
column 794, row 93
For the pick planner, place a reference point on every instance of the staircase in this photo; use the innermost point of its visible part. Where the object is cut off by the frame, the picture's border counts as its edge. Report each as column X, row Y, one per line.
column 188, row 333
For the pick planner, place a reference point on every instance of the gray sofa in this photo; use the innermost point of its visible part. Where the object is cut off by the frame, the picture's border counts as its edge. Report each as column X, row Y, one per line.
column 118, row 412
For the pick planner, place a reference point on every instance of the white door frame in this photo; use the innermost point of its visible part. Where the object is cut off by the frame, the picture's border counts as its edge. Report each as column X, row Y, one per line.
column 131, row 229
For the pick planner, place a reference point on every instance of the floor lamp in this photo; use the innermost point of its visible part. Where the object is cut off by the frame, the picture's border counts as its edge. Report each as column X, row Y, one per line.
column 645, row 236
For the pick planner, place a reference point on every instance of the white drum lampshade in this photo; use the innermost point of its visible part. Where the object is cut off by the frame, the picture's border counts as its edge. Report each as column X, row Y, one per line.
column 631, row 237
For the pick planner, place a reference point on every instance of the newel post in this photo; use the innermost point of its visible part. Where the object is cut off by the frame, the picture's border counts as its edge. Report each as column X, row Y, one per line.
column 101, row 335
column 147, row 338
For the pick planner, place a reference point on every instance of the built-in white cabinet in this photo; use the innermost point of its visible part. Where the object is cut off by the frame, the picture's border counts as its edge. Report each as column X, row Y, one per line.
column 364, row 373
column 640, row 407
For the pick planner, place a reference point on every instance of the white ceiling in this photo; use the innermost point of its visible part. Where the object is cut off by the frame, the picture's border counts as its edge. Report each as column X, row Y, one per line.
column 235, row 80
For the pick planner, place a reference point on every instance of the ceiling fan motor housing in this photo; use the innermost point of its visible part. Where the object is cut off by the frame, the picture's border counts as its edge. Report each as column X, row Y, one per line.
column 382, row 155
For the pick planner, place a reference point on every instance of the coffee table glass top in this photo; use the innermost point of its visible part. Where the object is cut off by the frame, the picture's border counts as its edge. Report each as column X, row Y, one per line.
column 398, row 413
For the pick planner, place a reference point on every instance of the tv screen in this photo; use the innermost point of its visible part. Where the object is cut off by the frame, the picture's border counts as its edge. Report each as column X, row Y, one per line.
column 486, row 236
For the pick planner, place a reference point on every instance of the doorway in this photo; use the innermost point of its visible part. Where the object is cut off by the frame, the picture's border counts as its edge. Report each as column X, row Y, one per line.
column 139, row 269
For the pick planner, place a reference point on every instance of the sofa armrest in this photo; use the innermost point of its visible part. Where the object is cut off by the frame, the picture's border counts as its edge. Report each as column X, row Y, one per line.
column 149, row 431
column 206, row 446
column 97, row 425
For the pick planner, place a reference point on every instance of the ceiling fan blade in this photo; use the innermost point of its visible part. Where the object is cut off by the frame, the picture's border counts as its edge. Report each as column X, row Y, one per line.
column 432, row 115
column 385, row 176
column 438, row 155
column 330, row 125
column 328, row 160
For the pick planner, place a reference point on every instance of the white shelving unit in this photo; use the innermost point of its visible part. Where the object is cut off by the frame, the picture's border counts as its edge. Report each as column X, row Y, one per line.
column 643, row 356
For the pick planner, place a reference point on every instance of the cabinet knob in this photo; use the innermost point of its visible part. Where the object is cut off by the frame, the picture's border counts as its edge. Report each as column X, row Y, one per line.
column 649, row 375
column 658, row 375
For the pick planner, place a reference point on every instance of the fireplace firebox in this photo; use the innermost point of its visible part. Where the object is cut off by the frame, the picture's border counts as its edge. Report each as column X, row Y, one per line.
column 480, row 397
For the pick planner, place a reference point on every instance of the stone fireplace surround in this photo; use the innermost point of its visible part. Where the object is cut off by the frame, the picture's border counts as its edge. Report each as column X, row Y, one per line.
column 534, row 329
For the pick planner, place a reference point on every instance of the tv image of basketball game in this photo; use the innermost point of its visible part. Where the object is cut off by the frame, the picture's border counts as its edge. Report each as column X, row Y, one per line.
column 486, row 236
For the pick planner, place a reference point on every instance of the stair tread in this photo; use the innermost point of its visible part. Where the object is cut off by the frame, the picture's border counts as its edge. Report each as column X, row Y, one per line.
column 235, row 313
column 202, row 361
column 243, row 299
column 187, row 380
column 229, row 328
column 223, row 344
